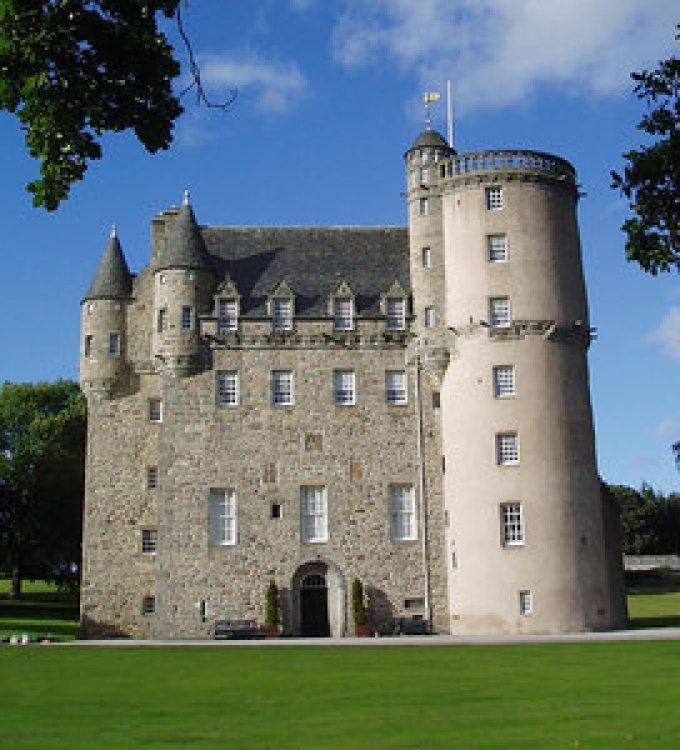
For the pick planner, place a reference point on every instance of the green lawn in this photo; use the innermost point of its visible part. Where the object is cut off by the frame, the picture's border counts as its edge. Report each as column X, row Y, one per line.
column 654, row 607
column 618, row 695
column 43, row 610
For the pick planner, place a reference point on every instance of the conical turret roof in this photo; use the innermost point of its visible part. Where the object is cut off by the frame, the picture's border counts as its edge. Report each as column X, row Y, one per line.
column 112, row 279
column 185, row 247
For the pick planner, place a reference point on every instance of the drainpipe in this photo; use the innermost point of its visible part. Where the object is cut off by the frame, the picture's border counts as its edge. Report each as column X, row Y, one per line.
column 422, row 504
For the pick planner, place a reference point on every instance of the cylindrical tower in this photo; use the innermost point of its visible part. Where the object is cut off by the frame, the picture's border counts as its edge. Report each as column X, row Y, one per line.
column 183, row 285
column 527, row 551
column 103, row 323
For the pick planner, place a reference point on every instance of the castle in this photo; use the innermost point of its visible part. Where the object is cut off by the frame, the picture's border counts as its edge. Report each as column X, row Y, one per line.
column 404, row 406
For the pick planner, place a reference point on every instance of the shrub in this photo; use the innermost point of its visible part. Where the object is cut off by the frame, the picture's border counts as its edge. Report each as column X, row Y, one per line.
column 358, row 603
column 272, row 615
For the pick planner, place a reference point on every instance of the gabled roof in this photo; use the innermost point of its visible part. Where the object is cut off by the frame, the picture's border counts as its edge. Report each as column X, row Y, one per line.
column 312, row 261
column 185, row 247
column 112, row 279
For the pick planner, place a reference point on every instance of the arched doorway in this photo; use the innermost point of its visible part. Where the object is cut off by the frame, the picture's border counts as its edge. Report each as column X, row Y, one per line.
column 314, row 621
column 317, row 605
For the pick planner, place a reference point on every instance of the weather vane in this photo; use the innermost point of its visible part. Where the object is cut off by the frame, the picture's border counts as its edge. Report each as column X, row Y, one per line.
column 428, row 98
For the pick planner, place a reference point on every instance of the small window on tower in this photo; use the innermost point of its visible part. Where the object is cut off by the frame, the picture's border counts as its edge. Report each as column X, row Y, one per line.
column 424, row 207
column 87, row 348
column 494, row 198
column 114, row 345
column 427, row 257
column 187, row 318
column 155, row 410
column 162, row 321
column 430, row 317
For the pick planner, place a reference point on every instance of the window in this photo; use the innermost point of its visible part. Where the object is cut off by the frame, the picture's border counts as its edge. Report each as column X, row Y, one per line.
column 155, row 410
column 276, row 511
column 90, row 308
column 114, row 345
column 494, row 198
column 526, row 604
column 424, row 207
column 222, row 517
column 424, row 175
column 227, row 315
column 497, row 248
column 149, row 606
column 395, row 387
column 402, row 513
column 283, row 314
column 87, row 347
column 152, row 477
column 186, row 319
column 313, row 514
column 499, row 312
column 162, row 279
column 162, row 322
column 227, row 388
column 344, row 387
column 189, row 276
column 436, row 400
column 149, row 541
column 512, row 525
column 427, row 257
column 396, row 314
column 507, row 449
column 430, row 317
column 504, row 381
column 343, row 314
column 282, row 387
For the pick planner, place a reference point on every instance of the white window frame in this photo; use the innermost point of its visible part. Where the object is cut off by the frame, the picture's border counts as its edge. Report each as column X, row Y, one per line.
column 282, row 314
column 396, row 392
column 313, row 515
column 227, row 314
column 344, row 387
column 222, row 517
column 497, row 248
column 283, row 393
column 426, row 257
column 430, row 317
column 88, row 345
column 395, row 313
column 493, row 198
column 424, row 175
column 512, row 525
column 343, row 314
column 424, row 207
column 148, row 606
column 500, row 315
column 526, row 603
column 226, row 388
column 403, row 517
column 504, row 385
column 507, row 449
column 155, row 412
column 162, row 320
column 149, row 541
column 186, row 322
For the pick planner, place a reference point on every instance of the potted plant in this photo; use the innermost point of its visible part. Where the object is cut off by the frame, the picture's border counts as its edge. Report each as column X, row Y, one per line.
column 272, row 611
column 361, row 626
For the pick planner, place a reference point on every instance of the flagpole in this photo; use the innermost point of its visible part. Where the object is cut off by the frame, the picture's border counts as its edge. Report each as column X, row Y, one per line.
column 449, row 112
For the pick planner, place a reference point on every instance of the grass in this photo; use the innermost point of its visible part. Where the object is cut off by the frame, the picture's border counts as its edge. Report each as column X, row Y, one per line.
column 654, row 606
column 43, row 610
column 595, row 696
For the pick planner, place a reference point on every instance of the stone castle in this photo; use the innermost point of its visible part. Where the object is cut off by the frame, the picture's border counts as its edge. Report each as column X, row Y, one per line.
column 404, row 406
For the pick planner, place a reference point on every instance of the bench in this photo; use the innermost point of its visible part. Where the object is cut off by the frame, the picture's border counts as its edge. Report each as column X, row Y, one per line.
column 410, row 626
column 233, row 630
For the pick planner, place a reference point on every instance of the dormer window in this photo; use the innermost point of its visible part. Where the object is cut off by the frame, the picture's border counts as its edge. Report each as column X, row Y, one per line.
column 396, row 314
column 282, row 314
column 343, row 314
column 227, row 315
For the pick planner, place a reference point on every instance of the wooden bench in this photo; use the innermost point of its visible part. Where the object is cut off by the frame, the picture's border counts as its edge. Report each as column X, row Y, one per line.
column 233, row 630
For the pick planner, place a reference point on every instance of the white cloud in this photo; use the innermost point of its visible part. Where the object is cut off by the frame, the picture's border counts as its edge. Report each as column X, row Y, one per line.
column 301, row 6
column 276, row 86
column 667, row 431
column 498, row 51
column 667, row 334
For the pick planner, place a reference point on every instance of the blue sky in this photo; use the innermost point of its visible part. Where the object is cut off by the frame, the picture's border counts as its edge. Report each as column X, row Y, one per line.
column 329, row 100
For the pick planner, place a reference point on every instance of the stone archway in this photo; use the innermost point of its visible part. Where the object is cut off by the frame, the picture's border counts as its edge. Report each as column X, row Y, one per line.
column 319, row 600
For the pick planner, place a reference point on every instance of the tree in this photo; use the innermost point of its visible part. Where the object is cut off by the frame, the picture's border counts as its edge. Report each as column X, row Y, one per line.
column 42, row 461
column 651, row 179
column 72, row 70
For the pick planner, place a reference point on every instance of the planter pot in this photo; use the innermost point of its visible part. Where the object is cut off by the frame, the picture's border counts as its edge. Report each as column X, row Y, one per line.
column 363, row 631
column 272, row 633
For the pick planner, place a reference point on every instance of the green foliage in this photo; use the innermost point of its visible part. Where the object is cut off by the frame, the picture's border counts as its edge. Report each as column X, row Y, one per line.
column 42, row 457
column 272, row 609
column 650, row 520
column 358, row 603
column 72, row 70
column 651, row 179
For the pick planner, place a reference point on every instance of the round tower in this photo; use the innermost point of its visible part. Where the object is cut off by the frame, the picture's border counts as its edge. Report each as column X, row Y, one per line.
column 103, row 323
column 183, row 285
column 527, row 550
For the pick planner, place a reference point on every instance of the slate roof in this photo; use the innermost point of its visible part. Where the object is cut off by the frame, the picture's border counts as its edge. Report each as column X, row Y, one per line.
column 112, row 280
column 313, row 261
column 185, row 247
column 431, row 139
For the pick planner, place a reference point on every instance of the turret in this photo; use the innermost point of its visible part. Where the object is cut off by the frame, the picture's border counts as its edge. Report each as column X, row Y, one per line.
column 183, row 285
column 103, row 323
